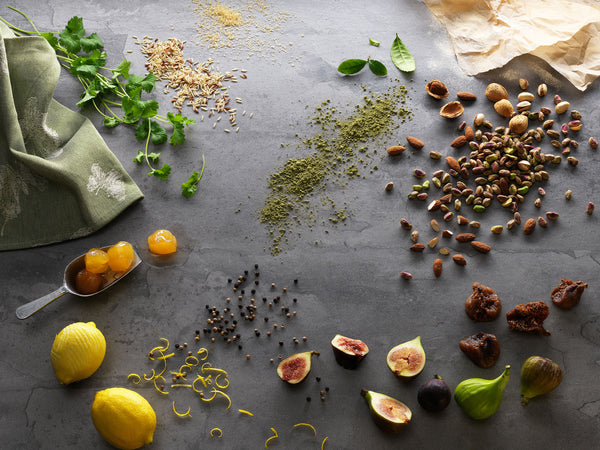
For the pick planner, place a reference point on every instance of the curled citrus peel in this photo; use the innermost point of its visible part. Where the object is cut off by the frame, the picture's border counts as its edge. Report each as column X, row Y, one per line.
column 162, row 391
column 185, row 414
column 323, row 443
column 215, row 392
column 243, row 411
column 219, row 385
column 216, row 430
column 275, row 436
column 195, row 360
column 202, row 380
column 307, row 425
column 136, row 378
column 181, row 385
column 203, row 351
column 150, row 378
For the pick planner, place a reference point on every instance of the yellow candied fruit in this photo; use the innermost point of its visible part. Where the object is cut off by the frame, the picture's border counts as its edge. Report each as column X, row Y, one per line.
column 120, row 256
column 162, row 242
column 96, row 260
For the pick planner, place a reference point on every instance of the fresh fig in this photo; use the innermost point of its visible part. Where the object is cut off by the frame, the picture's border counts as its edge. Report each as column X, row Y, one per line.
column 539, row 376
column 407, row 359
column 296, row 367
column 435, row 395
column 388, row 413
column 480, row 398
column 348, row 352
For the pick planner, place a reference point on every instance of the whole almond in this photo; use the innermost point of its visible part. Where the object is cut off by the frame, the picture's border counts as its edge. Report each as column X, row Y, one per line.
column 480, row 246
column 437, row 267
column 459, row 259
column 469, row 133
column 465, row 237
column 452, row 162
column 529, row 226
column 418, row 247
column 395, row 150
column 415, row 143
column 464, row 95
column 458, row 142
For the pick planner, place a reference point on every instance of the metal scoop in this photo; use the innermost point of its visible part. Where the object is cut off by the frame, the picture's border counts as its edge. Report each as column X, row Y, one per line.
column 110, row 278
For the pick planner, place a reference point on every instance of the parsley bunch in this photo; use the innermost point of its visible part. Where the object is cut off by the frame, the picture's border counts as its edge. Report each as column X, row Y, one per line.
column 107, row 90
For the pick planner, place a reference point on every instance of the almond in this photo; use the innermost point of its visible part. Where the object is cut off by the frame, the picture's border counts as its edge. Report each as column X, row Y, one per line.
column 469, row 133
column 480, row 246
column 436, row 89
column 415, row 143
column 464, row 95
column 459, row 142
column 437, row 267
column 418, row 247
column 447, row 234
column 459, row 259
column 529, row 226
column 453, row 163
column 465, row 237
column 395, row 150
column 462, row 220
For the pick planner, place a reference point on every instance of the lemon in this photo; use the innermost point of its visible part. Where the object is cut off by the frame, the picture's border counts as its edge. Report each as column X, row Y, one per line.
column 77, row 352
column 123, row 418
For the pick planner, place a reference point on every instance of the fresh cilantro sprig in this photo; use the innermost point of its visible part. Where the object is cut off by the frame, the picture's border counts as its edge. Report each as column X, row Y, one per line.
column 116, row 94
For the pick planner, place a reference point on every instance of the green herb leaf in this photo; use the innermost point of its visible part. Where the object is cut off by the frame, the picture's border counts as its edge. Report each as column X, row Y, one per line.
column 122, row 69
column 136, row 82
column 158, row 134
column 111, row 122
column 377, row 68
column 138, row 109
column 189, row 188
column 374, row 43
column 153, row 157
column 70, row 37
column 162, row 173
column 139, row 158
column 91, row 43
column 352, row 66
column 401, row 56
column 87, row 66
column 178, row 121
column 52, row 39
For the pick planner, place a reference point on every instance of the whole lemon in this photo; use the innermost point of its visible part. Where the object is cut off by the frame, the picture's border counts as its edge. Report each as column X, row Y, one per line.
column 77, row 352
column 123, row 418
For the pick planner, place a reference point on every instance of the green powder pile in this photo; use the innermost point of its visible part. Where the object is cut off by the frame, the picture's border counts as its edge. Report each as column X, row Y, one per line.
column 343, row 149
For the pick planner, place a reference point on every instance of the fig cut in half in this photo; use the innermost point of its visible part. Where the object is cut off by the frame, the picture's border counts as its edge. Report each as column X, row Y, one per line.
column 348, row 352
column 407, row 360
column 296, row 367
column 388, row 413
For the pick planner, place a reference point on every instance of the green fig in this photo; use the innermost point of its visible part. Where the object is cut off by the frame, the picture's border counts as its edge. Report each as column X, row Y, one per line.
column 388, row 413
column 480, row 398
column 407, row 360
column 539, row 375
column 295, row 368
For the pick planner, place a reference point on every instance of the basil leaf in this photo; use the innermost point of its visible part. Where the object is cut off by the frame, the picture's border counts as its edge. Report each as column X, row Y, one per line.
column 374, row 43
column 401, row 56
column 377, row 68
column 352, row 66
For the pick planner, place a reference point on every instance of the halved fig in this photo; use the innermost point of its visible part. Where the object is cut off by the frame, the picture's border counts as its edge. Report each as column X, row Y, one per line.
column 407, row 360
column 388, row 413
column 295, row 368
column 348, row 352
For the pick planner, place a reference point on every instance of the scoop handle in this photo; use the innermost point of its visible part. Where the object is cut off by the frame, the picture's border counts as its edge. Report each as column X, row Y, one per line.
column 29, row 309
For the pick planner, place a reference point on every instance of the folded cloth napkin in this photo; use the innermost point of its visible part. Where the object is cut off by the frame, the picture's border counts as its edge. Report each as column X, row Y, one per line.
column 58, row 178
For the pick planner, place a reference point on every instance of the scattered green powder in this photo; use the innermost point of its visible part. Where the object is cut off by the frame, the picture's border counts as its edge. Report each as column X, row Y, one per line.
column 343, row 146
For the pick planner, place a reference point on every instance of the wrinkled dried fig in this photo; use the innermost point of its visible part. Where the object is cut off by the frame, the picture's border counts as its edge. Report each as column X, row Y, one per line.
column 482, row 348
column 529, row 318
column 568, row 293
column 483, row 305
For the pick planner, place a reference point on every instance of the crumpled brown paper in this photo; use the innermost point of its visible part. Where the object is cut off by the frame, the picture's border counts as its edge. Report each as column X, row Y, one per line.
column 487, row 34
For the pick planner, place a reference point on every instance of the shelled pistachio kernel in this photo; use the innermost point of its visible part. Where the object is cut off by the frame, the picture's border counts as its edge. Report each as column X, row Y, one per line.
column 497, row 229
column 568, row 194
column 414, row 236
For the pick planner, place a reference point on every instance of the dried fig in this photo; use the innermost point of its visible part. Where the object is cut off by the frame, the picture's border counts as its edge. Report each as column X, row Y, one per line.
column 529, row 318
column 568, row 293
column 483, row 305
column 482, row 348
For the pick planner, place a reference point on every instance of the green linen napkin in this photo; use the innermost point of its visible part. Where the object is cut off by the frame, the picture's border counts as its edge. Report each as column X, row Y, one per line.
column 58, row 178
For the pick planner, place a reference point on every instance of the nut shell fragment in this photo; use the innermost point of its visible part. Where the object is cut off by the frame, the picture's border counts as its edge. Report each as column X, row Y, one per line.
column 452, row 110
column 437, row 89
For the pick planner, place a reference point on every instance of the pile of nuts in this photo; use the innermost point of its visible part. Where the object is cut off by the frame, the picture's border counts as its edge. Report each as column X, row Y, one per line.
column 503, row 164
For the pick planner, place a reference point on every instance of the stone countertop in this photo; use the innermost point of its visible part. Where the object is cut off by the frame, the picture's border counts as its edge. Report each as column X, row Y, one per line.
column 338, row 278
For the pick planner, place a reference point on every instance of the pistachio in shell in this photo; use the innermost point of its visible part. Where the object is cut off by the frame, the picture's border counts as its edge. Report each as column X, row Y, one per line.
column 504, row 107
column 452, row 110
column 539, row 376
column 437, row 89
column 496, row 92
